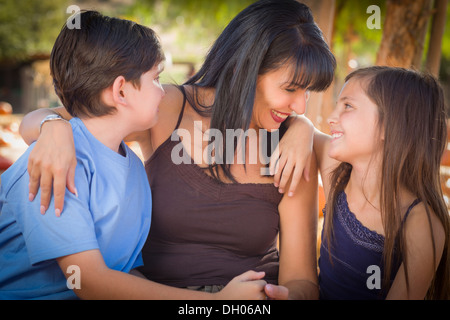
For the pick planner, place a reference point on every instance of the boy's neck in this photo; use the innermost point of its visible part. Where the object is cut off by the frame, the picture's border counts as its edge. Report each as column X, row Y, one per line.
column 108, row 130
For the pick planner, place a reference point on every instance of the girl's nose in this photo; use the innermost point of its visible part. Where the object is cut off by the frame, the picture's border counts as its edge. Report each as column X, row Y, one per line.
column 332, row 118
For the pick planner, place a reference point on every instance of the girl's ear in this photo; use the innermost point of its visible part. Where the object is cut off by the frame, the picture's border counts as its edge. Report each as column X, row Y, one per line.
column 118, row 90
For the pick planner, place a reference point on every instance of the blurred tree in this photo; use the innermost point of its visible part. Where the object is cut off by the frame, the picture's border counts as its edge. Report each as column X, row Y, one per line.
column 404, row 33
column 436, row 38
column 29, row 27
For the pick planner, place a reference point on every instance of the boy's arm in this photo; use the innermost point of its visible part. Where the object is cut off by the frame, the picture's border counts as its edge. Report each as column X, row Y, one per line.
column 97, row 281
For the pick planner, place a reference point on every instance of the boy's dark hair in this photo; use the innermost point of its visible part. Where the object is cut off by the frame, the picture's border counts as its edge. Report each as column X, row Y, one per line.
column 87, row 60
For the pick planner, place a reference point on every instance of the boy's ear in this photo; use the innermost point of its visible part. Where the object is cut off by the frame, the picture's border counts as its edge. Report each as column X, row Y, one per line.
column 118, row 90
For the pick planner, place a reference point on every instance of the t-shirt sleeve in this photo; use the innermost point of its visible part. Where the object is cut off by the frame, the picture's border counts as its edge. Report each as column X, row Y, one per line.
column 50, row 237
column 138, row 262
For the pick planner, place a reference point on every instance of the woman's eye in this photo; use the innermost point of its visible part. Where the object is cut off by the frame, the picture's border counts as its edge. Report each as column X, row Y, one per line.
column 347, row 106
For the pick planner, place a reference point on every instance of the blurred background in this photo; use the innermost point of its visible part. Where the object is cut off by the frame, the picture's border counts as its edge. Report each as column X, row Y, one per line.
column 407, row 33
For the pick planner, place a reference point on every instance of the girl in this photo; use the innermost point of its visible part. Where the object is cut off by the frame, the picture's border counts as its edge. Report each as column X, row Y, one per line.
column 386, row 230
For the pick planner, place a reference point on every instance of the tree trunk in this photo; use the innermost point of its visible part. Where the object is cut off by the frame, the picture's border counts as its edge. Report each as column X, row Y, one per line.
column 404, row 32
column 437, row 32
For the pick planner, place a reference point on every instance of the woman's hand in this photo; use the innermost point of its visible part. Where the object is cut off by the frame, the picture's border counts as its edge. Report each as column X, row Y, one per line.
column 275, row 292
column 293, row 154
column 53, row 161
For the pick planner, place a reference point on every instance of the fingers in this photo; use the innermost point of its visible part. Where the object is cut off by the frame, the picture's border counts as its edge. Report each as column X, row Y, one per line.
column 285, row 175
column 280, row 166
column 46, row 190
column 56, row 179
column 286, row 167
column 274, row 158
column 71, row 179
column 250, row 275
column 35, row 176
column 276, row 292
column 307, row 168
column 296, row 177
column 59, row 188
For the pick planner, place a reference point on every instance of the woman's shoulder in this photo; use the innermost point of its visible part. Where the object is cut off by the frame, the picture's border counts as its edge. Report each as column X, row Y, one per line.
column 169, row 111
column 173, row 99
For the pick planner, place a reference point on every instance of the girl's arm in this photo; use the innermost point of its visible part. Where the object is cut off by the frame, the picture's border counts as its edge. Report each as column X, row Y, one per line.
column 298, row 240
column 29, row 127
column 421, row 262
column 97, row 281
column 325, row 164
column 52, row 161
column 291, row 159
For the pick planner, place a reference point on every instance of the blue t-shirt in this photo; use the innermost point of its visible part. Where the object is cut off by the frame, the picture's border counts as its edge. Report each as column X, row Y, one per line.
column 112, row 213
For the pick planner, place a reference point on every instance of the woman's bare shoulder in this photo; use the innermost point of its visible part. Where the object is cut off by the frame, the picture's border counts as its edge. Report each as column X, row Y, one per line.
column 169, row 111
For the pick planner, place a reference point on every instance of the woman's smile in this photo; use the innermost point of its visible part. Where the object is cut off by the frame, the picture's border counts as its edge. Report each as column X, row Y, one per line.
column 279, row 116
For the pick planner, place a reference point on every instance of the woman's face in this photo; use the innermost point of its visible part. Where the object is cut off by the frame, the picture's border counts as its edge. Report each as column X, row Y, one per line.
column 276, row 98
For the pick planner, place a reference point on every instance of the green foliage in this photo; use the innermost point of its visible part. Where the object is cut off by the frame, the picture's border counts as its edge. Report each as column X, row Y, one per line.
column 29, row 27
column 195, row 24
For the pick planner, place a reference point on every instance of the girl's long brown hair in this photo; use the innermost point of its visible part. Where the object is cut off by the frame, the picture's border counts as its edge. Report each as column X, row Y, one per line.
column 412, row 117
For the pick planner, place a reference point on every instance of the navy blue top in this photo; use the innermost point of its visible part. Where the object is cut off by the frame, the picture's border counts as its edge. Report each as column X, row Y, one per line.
column 357, row 257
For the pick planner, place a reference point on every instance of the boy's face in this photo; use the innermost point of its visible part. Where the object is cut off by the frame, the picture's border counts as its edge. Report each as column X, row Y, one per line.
column 145, row 101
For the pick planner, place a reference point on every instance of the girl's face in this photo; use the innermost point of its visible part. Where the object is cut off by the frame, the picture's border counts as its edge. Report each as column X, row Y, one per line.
column 353, row 125
column 276, row 99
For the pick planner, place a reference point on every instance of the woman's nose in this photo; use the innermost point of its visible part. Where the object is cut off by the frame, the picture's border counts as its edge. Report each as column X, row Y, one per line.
column 300, row 102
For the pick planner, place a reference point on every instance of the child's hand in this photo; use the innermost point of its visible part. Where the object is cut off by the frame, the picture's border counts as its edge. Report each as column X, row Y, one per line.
column 293, row 155
column 247, row 286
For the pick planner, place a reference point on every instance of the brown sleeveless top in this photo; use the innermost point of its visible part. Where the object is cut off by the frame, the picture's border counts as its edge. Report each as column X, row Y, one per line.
column 205, row 232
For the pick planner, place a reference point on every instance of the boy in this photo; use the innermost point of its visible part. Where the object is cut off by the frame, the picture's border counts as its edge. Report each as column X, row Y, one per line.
column 107, row 76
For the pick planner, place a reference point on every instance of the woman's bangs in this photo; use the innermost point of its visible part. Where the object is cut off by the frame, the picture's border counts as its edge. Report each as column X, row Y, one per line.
column 314, row 69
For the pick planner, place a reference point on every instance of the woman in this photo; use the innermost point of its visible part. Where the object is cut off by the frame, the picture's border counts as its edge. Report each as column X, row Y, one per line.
column 211, row 220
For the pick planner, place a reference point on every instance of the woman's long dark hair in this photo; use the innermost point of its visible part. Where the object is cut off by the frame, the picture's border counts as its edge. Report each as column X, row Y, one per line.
column 261, row 38
column 412, row 117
